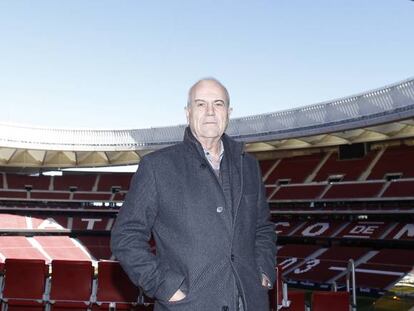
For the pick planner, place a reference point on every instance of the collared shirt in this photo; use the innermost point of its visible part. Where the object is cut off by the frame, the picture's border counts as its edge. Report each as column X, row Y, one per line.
column 215, row 167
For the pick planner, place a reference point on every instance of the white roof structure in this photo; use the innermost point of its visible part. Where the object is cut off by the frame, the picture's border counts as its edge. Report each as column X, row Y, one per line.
column 382, row 114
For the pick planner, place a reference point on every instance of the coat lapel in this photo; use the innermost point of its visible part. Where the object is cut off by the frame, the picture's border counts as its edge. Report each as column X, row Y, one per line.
column 233, row 155
column 235, row 152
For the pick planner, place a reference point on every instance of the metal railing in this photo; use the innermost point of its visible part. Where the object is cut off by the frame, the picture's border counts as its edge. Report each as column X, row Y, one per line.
column 351, row 283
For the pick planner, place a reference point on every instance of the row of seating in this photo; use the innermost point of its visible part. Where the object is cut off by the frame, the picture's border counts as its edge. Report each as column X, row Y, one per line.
column 298, row 171
column 313, row 266
column 323, row 207
column 344, row 191
column 31, row 284
column 53, row 221
column 70, row 187
column 359, row 229
column 376, row 189
column 384, row 229
column 376, row 164
column 42, row 247
column 56, row 222
column 320, row 301
column 101, row 182
column 64, row 196
column 294, row 300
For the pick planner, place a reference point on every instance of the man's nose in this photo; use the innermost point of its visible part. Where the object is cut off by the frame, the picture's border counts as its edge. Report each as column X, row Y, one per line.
column 210, row 109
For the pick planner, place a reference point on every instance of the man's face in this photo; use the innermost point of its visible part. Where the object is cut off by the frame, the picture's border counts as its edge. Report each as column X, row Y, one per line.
column 208, row 113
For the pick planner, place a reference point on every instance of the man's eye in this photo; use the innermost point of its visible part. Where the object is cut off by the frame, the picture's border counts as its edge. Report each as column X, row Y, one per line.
column 219, row 104
column 200, row 104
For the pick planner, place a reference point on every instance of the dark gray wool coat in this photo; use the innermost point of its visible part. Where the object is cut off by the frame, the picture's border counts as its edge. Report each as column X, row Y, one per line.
column 208, row 244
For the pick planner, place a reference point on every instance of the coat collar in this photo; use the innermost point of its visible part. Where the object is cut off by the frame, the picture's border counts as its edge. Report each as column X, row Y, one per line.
column 230, row 145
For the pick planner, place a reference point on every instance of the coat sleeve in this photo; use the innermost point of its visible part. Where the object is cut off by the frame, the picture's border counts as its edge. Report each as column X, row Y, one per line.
column 265, row 245
column 131, row 234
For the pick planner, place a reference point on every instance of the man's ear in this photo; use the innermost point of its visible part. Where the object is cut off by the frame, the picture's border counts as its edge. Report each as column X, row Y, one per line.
column 187, row 114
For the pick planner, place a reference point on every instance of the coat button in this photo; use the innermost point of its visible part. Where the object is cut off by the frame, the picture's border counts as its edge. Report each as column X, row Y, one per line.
column 232, row 257
column 219, row 209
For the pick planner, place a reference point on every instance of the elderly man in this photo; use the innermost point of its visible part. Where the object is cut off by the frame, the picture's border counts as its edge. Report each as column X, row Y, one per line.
column 203, row 201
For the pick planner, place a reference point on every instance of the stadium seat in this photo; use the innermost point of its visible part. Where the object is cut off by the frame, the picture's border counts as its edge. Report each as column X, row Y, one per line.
column 115, row 289
column 71, row 285
column 24, row 284
column 293, row 301
column 328, row 301
column 297, row 301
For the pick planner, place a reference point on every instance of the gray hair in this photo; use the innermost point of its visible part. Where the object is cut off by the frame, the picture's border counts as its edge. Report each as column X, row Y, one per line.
column 211, row 79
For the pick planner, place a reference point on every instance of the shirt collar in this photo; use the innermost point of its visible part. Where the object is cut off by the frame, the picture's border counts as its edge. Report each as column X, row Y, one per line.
column 209, row 158
column 208, row 155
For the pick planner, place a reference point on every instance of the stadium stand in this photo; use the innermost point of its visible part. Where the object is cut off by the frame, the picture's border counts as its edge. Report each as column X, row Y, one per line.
column 96, row 247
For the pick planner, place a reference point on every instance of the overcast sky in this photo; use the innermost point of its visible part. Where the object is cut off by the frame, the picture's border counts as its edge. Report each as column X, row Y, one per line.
column 129, row 64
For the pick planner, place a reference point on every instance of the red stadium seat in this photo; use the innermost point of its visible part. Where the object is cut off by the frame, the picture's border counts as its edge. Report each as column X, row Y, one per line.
column 24, row 284
column 114, row 287
column 328, row 301
column 297, row 301
column 71, row 285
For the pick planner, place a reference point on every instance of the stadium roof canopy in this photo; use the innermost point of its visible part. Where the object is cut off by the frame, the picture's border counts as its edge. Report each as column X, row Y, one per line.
column 382, row 114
